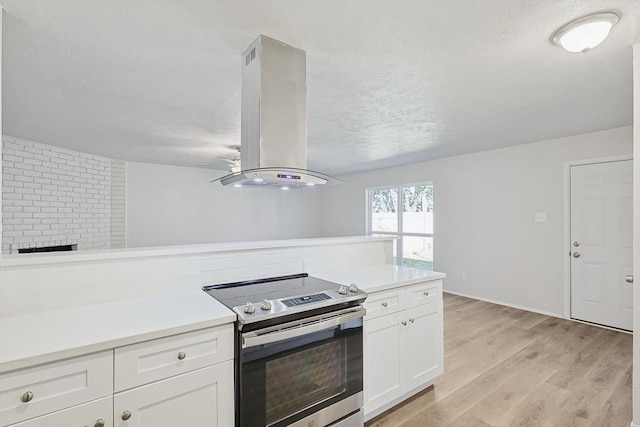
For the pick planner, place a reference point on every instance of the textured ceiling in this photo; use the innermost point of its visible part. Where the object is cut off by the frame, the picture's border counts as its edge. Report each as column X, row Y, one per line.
column 389, row 82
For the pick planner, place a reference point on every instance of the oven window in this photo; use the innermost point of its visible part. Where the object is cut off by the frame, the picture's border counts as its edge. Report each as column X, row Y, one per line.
column 304, row 378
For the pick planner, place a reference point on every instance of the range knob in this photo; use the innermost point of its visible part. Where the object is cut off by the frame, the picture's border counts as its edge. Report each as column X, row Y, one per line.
column 249, row 308
column 342, row 290
column 353, row 288
column 266, row 305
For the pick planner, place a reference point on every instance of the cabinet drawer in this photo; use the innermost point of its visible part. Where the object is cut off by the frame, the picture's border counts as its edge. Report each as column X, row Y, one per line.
column 150, row 361
column 32, row 392
column 424, row 293
column 198, row 398
column 386, row 302
column 85, row 415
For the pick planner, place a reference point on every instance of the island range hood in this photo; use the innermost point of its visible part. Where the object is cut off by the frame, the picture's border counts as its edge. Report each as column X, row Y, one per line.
column 273, row 150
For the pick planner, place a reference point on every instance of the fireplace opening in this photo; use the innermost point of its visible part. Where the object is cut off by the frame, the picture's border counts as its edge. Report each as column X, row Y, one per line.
column 60, row 248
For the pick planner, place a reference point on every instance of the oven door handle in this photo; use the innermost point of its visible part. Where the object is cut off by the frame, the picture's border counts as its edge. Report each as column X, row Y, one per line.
column 297, row 329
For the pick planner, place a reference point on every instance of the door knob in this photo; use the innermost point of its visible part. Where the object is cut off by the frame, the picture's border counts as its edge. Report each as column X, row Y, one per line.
column 629, row 278
column 576, row 254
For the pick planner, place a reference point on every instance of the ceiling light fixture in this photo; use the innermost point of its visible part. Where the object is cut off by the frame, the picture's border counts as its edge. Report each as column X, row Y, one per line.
column 583, row 34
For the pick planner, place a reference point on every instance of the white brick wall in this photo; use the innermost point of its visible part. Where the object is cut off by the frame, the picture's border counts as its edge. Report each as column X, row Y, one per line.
column 118, row 204
column 53, row 196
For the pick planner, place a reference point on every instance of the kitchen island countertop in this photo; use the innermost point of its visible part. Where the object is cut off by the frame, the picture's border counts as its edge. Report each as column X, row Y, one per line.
column 379, row 277
column 43, row 337
column 47, row 336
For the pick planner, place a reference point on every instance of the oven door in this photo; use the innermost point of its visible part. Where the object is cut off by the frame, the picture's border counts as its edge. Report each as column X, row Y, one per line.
column 293, row 370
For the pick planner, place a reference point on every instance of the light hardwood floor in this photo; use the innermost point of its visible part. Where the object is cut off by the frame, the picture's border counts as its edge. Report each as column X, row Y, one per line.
column 508, row 367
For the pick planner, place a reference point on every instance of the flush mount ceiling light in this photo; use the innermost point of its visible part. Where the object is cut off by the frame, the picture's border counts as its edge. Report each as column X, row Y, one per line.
column 583, row 34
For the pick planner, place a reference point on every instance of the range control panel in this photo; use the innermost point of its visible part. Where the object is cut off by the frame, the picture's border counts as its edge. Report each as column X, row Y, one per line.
column 305, row 299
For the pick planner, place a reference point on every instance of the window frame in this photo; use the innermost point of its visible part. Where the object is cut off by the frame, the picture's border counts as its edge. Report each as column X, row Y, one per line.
column 398, row 234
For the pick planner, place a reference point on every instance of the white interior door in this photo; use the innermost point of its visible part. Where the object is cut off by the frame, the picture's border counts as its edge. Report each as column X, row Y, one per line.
column 601, row 243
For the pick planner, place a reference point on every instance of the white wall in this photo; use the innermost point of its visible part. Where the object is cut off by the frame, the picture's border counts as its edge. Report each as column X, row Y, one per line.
column 636, row 233
column 169, row 205
column 118, row 204
column 484, row 206
column 41, row 282
column 54, row 196
column 1, row 167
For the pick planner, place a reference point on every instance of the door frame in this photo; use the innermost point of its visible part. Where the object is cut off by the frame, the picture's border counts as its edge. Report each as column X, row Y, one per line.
column 567, row 219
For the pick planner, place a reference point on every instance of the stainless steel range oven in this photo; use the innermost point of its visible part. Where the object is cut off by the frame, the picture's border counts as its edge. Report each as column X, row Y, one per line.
column 298, row 351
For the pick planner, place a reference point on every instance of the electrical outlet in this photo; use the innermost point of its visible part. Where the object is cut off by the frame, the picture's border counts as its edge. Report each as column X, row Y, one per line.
column 541, row 217
column 464, row 275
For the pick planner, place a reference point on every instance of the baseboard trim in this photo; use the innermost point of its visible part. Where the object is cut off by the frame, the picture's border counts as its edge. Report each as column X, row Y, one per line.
column 546, row 313
column 519, row 307
column 634, row 424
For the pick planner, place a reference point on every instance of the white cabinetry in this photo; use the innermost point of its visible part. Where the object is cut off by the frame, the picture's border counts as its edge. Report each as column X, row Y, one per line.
column 188, row 377
column 403, row 344
column 424, row 344
column 40, row 390
column 384, row 360
column 181, row 380
column 199, row 398
column 98, row 413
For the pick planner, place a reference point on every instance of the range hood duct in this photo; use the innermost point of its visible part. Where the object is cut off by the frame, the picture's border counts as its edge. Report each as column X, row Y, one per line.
column 273, row 150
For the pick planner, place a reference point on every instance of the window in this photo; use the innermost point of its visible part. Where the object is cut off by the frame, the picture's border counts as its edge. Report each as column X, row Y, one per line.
column 405, row 211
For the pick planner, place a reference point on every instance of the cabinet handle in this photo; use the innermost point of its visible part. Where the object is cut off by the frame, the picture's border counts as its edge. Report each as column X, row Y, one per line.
column 404, row 323
column 384, row 304
column 182, row 355
column 412, row 320
column 426, row 294
column 126, row 415
column 99, row 423
column 27, row 397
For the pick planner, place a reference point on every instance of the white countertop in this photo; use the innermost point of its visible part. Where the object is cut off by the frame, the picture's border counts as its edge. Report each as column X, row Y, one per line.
column 47, row 336
column 129, row 253
column 52, row 335
column 379, row 277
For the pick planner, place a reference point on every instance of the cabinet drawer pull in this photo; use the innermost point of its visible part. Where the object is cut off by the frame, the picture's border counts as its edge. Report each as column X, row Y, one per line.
column 384, row 304
column 426, row 294
column 182, row 355
column 27, row 397
column 99, row 423
column 126, row 415
column 412, row 320
column 404, row 323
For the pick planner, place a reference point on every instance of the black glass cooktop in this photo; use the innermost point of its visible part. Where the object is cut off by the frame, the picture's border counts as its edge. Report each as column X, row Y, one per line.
column 274, row 288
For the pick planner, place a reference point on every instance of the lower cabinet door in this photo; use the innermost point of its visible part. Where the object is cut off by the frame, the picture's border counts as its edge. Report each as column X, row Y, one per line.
column 98, row 413
column 384, row 360
column 424, row 344
column 39, row 390
column 202, row 398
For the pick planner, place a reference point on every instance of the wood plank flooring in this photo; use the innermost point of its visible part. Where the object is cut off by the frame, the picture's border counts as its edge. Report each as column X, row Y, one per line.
column 508, row 367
